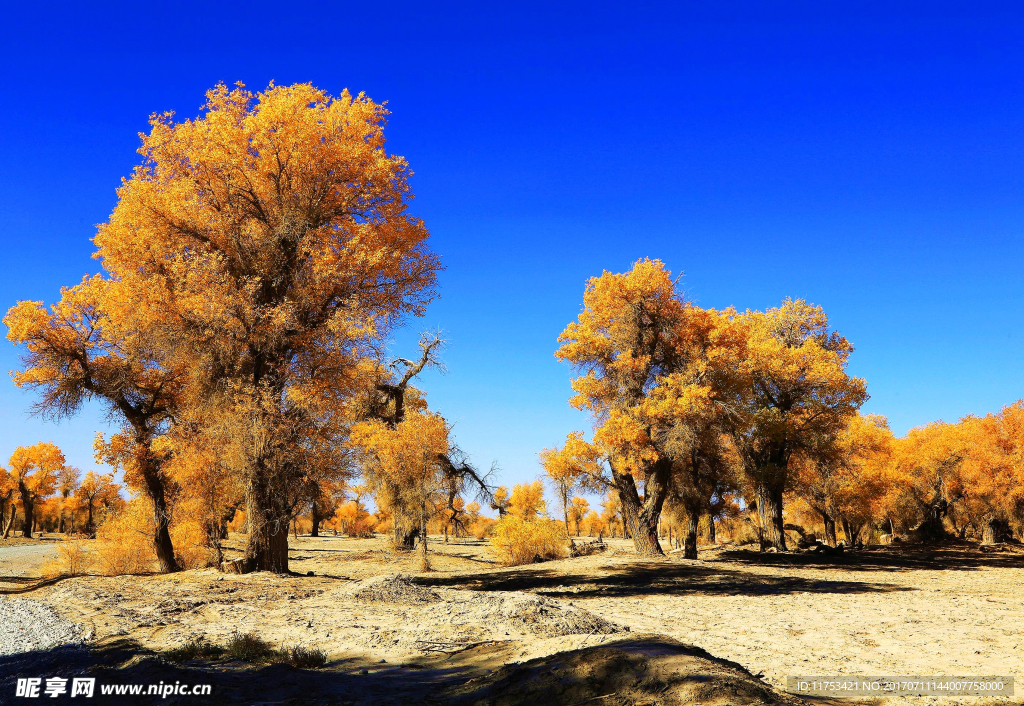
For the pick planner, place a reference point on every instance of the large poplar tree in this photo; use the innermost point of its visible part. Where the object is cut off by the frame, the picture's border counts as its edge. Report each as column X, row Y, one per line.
column 270, row 244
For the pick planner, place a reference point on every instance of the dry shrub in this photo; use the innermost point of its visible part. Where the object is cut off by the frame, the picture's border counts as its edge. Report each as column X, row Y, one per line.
column 73, row 557
column 517, row 541
column 249, row 647
column 307, row 657
column 125, row 541
column 196, row 647
column 396, row 588
column 192, row 545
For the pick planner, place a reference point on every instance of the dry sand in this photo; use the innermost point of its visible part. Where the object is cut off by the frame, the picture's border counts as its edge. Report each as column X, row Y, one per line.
column 955, row 612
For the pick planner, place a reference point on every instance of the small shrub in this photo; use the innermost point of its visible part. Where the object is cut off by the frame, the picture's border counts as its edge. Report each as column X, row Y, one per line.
column 124, row 542
column 73, row 557
column 517, row 541
column 307, row 657
column 195, row 648
column 250, row 648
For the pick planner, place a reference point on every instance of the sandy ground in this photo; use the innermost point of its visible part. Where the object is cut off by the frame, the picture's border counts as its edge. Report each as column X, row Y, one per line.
column 907, row 612
column 25, row 557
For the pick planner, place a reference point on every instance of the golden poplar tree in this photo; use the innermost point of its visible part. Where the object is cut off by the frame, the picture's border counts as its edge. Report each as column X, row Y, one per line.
column 796, row 390
column 270, row 243
column 34, row 470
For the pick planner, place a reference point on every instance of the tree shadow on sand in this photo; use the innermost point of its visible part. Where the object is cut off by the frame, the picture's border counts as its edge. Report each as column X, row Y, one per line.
column 647, row 578
column 642, row 669
column 124, row 662
column 911, row 557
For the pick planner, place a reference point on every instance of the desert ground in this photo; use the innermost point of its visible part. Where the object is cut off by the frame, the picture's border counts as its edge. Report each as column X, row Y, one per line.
column 610, row 628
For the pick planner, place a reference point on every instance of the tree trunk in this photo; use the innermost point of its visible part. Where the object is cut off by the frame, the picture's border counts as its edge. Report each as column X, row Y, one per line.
column 89, row 529
column 830, row 528
column 27, row 508
column 769, row 511
column 268, row 518
column 404, row 532
column 690, row 545
column 161, row 515
column 28, row 519
column 712, row 534
column 314, row 517
column 641, row 518
column 267, row 548
column 424, row 560
column 996, row 531
column 10, row 521
column 852, row 531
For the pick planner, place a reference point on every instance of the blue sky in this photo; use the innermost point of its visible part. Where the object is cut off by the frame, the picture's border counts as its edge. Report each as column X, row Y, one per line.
column 864, row 156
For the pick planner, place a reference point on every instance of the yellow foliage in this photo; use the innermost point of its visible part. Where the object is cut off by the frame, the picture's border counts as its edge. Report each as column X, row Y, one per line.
column 73, row 557
column 192, row 544
column 517, row 541
column 238, row 522
column 482, row 527
column 353, row 520
column 125, row 541
column 527, row 501
column 593, row 525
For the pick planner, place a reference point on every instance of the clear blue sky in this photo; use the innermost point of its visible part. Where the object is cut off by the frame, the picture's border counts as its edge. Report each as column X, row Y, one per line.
column 864, row 156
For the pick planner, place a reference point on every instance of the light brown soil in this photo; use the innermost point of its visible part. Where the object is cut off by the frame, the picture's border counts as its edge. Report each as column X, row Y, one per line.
column 898, row 611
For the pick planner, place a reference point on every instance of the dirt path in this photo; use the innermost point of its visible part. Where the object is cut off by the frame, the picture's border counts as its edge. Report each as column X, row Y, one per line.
column 22, row 560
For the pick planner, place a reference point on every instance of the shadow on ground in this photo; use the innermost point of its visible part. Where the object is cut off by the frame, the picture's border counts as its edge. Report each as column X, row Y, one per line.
column 639, row 670
column 647, row 578
column 957, row 557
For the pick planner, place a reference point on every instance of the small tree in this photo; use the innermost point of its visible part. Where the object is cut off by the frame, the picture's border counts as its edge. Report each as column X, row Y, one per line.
column 34, row 470
column 8, row 486
column 403, row 463
column 577, row 511
column 656, row 372
column 797, row 390
column 67, row 484
column 95, row 490
column 844, row 478
column 86, row 348
column 500, row 500
column 527, row 501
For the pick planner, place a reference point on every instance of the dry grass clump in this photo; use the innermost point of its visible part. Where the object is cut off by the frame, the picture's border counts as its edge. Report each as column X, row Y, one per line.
column 196, row 647
column 551, row 619
column 73, row 557
column 248, row 647
column 517, row 541
column 307, row 657
column 397, row 588
column 125, row 541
